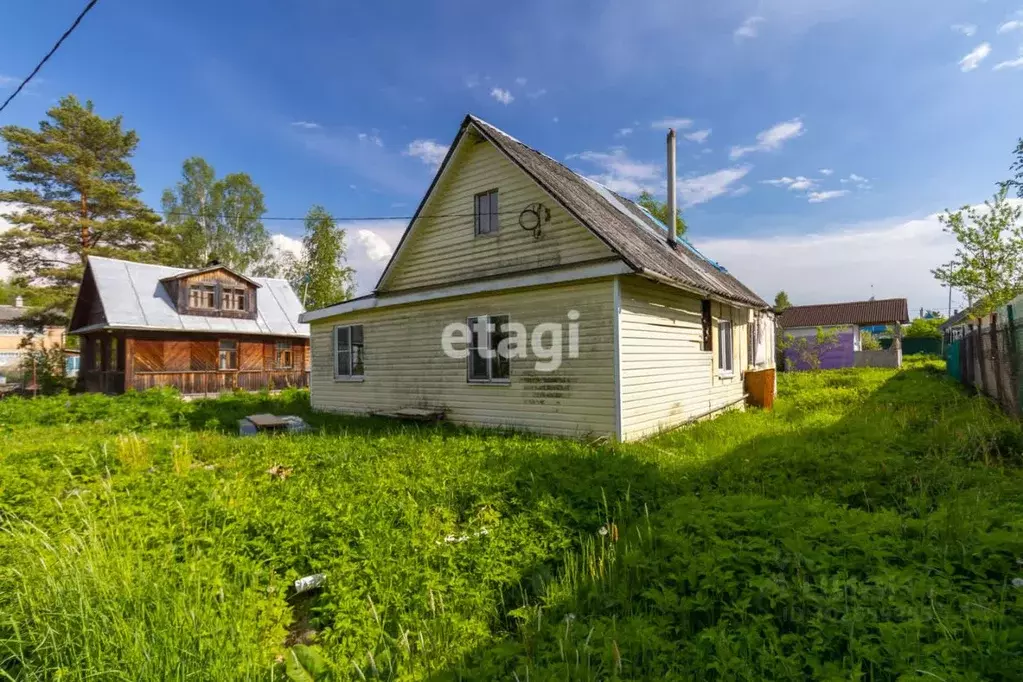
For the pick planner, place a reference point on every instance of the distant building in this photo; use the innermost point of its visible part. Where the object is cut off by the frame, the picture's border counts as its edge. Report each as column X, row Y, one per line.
column 201, row 331
column 14, row 333
column 848, row 320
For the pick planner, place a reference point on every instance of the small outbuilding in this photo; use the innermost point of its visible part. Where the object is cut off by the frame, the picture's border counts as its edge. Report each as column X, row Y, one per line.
column 846, row 320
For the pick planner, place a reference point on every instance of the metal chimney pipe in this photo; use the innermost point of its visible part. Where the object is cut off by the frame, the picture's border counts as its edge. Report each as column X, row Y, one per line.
column 672, row 206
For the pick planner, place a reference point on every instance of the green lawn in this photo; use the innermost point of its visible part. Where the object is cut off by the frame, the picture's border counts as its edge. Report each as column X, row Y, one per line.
column 870, row 528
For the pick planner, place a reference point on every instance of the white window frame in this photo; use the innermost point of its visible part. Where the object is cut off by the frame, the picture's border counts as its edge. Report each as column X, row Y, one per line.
column 493, row 217
column 726, row 361
column 348, row 375
column 489, row 380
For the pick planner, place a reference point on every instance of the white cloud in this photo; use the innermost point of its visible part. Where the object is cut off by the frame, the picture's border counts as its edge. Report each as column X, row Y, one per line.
column 749, row 28
column 377, row 248
column 306, row 125
column 973, row 60
column 537, row 93
column 7, row 80
column 520, row 81
column 740, row 191
column 966, row 29
column 666, row 123
column 826, row 172
column 429, row 152
column 841, row 262
column 370, row 245
column 502, row 95
column 698, row 136
column 858, row 180
column 623, row 174
column 1014, row 25
column 623, row 132
column 701, row 189
column 821, row 197
column 772, row 138
column 1010, row 64
column 372, row 138
column 799, row 183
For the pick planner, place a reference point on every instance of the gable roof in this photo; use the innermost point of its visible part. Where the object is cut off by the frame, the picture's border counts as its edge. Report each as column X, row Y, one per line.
column 133, row 296
column 883, row 311
column 211, row 268
column 630, row 231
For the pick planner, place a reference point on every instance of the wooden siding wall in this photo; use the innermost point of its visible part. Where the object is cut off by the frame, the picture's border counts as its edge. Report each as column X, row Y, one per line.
column 446, row 249
column 180, row 289
column 405, row 365
column 666, row 377
column 191, row 364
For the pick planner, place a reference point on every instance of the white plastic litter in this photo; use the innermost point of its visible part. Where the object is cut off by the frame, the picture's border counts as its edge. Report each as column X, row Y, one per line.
column 310, row 582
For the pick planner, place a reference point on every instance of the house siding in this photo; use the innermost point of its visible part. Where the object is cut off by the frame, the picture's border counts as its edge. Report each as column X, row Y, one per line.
column 842, row 354
column 405, row 366
column 445, row 249
column 666, row 377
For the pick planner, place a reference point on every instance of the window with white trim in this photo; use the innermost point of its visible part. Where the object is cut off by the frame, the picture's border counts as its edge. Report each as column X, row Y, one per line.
column 725, row 347
column 488, row 359
column 485, row 214
column 348, row 352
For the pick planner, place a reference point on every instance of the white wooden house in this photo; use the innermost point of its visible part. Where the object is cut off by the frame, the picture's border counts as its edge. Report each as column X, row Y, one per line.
column 650, row 333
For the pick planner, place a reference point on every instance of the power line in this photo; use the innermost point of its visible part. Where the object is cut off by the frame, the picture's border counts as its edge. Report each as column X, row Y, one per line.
column 350, row 219
column 49, row 54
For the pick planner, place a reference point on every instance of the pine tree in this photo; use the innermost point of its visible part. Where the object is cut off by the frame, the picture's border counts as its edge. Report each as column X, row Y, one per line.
column 77, row 197
column 320, row 274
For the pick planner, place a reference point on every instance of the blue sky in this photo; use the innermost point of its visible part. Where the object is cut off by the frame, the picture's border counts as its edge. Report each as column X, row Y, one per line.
column 823, row 137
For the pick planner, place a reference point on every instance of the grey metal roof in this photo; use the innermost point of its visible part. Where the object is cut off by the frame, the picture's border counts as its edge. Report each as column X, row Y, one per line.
column 638, row 237
column 133, row 297
column 10, row 312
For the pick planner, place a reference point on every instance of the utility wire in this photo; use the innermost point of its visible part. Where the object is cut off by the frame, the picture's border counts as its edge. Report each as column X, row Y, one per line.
column 188, row 214
column 49, row 54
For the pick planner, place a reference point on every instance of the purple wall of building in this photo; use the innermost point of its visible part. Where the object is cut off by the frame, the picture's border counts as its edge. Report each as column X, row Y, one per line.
column 840, row 355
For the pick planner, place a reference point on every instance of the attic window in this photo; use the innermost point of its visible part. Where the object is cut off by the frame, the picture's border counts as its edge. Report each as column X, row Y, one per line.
column 485, row 215
column 232, row 299
column 202, row 296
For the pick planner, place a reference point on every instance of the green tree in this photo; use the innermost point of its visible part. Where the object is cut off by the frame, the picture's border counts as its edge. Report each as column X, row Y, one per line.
column 320, row 274
column 988, row 263
column 659, row 210
column 807, row 350
column 77, row 196
column 921, row 328
column 218, row 218
column 781, row 301
column 1016, row 182
column 868, row 341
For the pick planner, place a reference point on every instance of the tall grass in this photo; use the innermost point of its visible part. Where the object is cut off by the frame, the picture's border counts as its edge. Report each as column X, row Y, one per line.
column 106, row 601
column 870, row 528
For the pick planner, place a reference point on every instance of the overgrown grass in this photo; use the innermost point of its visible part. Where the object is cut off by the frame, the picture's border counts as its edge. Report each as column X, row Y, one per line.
column 871, row 527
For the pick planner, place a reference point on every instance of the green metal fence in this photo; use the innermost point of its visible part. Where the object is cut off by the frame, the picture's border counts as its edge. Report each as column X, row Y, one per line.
column 914, row 346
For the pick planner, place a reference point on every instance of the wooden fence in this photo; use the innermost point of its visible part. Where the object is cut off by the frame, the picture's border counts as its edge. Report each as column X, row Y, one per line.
column 987, row 359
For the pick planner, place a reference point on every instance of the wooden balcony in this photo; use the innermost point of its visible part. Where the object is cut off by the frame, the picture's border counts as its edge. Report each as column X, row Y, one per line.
column 212, row 383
